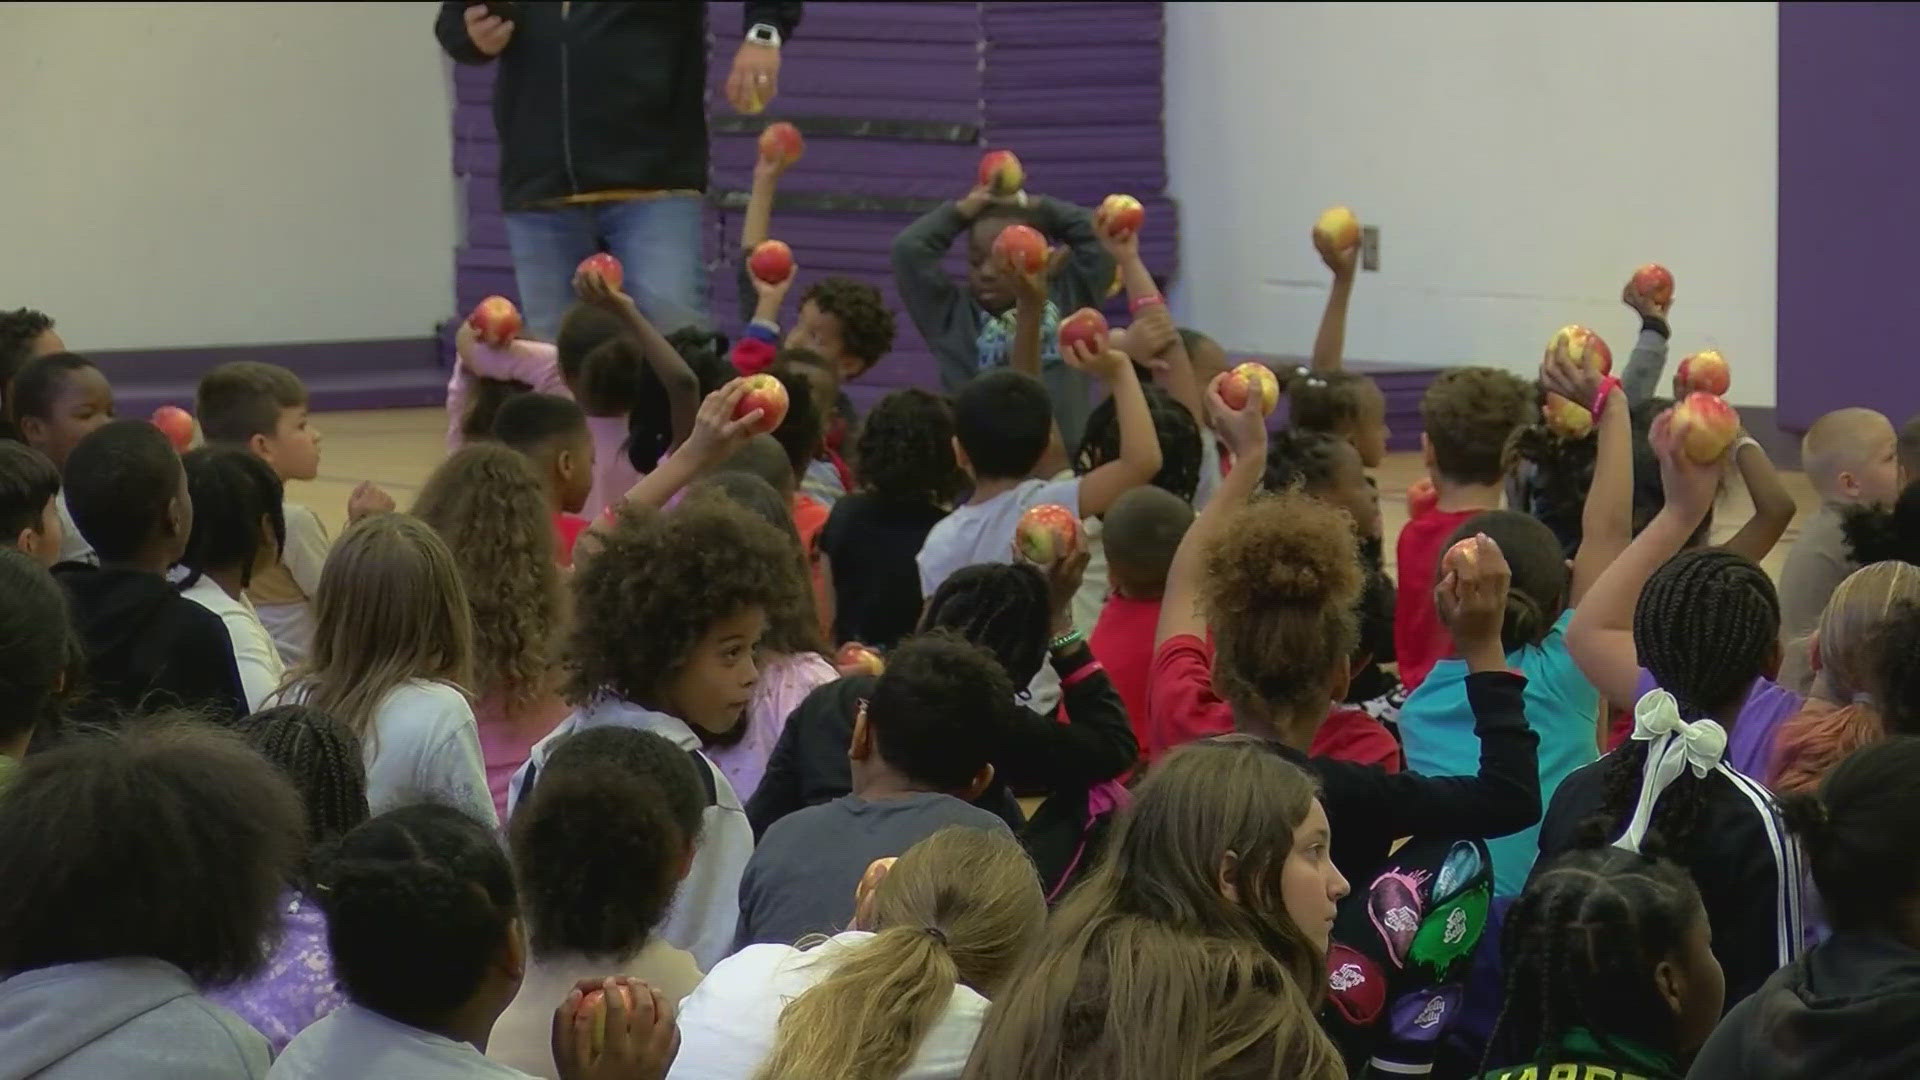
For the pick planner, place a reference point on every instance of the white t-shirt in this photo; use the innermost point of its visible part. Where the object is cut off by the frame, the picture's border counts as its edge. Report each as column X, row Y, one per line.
column 357, row 1042
column 727, row 1024
column 523, row 1036
column 73, row 546
column 983, row 532
column 283, row 596
column 253, row 650
column 424, row 747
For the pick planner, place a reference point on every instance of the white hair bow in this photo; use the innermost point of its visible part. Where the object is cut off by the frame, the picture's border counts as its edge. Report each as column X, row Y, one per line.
column 1673, row 745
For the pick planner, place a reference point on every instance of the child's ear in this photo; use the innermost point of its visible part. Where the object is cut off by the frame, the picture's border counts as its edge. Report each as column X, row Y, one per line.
column 1813, row 652
column 512, row 957
column 28, row 542
column 260, row 446
column 979, row 783
column 860, row 747
column 960, row 456
column 34, row 430
column 1671, row 984
column 1426, row 451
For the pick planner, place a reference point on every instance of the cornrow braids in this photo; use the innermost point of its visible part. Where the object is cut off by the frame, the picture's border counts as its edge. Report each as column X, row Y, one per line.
column 1299, row 457
column 1004, row 607
column 1179, row 435
column 322, row 758
column 1705, row 626
column 233, row 491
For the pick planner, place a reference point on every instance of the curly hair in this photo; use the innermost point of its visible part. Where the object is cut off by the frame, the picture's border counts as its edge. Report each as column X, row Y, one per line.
column 1880, row 534
column 1301, row 457
column 321, row 756
column 1179, row 435
column 866, row 326
column 19, row 330
column 598, row 845
column 488, row 505
column 1280, row 591
column 1326, row 401
column 792, row 627
column 1004, row 607
column 904, row 451
column 935, row 712
column 659, row 583
column 1469, row 413
column 232, row 491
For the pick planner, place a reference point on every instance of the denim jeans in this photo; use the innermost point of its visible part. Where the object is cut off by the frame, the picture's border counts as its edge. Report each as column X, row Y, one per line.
column 656, row 240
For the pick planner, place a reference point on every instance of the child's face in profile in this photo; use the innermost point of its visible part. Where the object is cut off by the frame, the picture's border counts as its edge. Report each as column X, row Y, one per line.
column 83, row 405
column 711, row 690
column 1369, row 433
column 985, row 278
column 822, row 333
column 1349, row 490
column 1877, row 481
column 42, row 543
column 1694, row 985
column 573, row 472
column 1310, row 885
column 294, row 447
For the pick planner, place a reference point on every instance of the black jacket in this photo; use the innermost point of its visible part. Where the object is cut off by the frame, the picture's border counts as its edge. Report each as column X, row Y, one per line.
column 148, row 648
column 611, row 96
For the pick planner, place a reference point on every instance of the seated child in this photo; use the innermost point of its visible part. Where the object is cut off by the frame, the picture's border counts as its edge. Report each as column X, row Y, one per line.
column 701, row 579
column 30, row 508
column 1323, row 397
column 39, row 658
column 799, row 434
column 148, row 647
column 598, row 851
column 1850, row 457
column 828, row 476
column 24, row 335
column 1179, row 438
column 1468, row 414
column 237, row 532
column 1143, row 529
column 972, row 330
column 54, row 401
column 907, row 480
column 920, row 753
column 551, row 431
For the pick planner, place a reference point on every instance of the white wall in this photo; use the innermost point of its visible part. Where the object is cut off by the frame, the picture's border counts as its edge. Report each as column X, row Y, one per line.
column 1520, row 160
column 180, row 174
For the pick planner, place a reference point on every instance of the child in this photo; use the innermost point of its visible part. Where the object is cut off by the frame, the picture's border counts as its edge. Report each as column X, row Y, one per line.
column 762, row 456
column 1143, row 530
column 24, row 335
column 799, row 434
column 551, row 432
column 1002, row 427
column 902, row 993
column 238, row 531
column 920, row 753
column 54, row 401
column 141, row 867
column 1468, row 414
column 701, row 581
column 30, row 506
column 263, row 409
column 972, row 330
column 427, row 889
column 322, row 759
column 1850, row 456
column 1610, row 969
column 598, row 851
column 39, row 658
column 148, row 647
column 1198, row 945
column 1321, row 396
column 392, row 652
column 908, row 477
column 492, row 512
column 1863, row 630
column 828, row 476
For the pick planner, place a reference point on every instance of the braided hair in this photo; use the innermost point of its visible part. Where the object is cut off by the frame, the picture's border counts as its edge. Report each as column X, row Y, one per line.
column 233, row 492
column 420, row 889
column 322, row 758
column 1581, row 945
column 1326, row 401
column 1858, row 835
column 1005, row 607
column 1297, row 457
column 1179, row 435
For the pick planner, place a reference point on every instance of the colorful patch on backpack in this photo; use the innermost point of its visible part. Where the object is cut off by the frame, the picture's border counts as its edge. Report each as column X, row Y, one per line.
column 1394, row 905
column 1421, row 1016
column 1357, row 987
column 1451, row 931
column 1463, row 863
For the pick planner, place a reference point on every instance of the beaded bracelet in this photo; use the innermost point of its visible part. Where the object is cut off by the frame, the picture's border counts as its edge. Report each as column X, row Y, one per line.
column 1066, row 641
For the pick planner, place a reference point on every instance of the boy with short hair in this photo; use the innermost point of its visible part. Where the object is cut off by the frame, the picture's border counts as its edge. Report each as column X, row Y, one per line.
column 921, row 749
column 1851, row 456
column 1468, row 413
column 29, row 503
column 1909, row 452
column 551, row 432
column 262, row 408
column 1143, row 530
column 148, row 648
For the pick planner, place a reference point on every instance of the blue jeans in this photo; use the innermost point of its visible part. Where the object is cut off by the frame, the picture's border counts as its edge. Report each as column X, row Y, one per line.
column 656, row 240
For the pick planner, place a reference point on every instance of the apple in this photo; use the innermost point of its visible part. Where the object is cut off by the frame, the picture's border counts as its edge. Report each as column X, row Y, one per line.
column 771, row 262
column 1462, row 556
column 1704, row 371
column 1565, row 418
column 595, row 1002
column 1023, row 247
column 1086, row 326
column 781, row 142
column 1121, row 215
column 1706, row 425
column 1581, row 346
column 764, row 392
column 1046, row 533
column 176, row 424
column 1654, row 284
column 496, row 320
column 1239, row 384
column 605, row 267
column 856, row 659
column 1000, row 172
column 1336, row 230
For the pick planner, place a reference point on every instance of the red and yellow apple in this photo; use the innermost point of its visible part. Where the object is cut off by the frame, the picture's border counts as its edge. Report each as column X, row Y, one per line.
column 857, row 659
column 1021, row 247
column 771, row 261
column 176, row 424
column 1336, row 230
column 1120, row 215
column 1086, row 326
column 1565, row 418
column 1046, row 533
column 595, row 1003
column 1705, row 425
column 1463, row 556
column 1654, row 284
column 766, row 393
column 605, row 267
column 1000, row 172
column 1581, row 346
column 781, row 142
column 495, row 320
column 1237, row 387
column 1705, row 372
column 1421, row 496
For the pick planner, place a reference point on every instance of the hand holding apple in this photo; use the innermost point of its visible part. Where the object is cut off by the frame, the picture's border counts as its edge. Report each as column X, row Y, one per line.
column 857, row 659
column 1084, row 328
column 1336, row 231
column 723, row 423
column 766, row 394
column 614, row 1029
column 368, row 499
column 771, row 261
column 1001, row 173
column 1704, row 372
column 1240, row 386
column 1116, row 222
column 177, row 425
column 1243, row 429
column 1649, row 291
column 495, row 320
column 1704, row 425
column 1471, row 593
column 1021, row 249
column 781, row 145
column 1046, row 534
column 1564, row 418
column 1578, row 345
column 604, row 266
column 1421, row 497
column 1688, row 484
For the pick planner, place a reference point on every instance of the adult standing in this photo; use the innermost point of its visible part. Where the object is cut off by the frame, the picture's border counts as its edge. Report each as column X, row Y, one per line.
column 601, row 113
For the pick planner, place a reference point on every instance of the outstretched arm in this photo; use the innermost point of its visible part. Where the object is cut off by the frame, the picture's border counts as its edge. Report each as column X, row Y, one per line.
column 669, row 367
column 1245, row 433
column 1331, row 342
column 1773, row 505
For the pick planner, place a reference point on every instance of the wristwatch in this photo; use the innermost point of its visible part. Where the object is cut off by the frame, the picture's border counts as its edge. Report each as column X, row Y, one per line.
column 764, row 34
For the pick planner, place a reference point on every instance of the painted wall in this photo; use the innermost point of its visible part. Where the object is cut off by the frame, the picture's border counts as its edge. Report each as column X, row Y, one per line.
column 250, row 173
column 1520, row 160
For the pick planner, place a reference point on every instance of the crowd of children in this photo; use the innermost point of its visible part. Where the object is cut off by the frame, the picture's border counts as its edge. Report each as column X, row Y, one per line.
column 558, row 772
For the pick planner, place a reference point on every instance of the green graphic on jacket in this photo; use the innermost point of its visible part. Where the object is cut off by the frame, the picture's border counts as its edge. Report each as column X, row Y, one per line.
column 1450, row 931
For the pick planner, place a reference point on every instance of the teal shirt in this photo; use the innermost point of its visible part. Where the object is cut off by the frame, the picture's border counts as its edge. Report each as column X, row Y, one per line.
column 1436, row 729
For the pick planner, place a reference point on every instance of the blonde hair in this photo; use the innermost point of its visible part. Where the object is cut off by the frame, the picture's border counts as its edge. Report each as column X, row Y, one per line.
column 390, row 608
column 961, row 906
column 1148, row 971
column 491, row 508
column 1851, row 626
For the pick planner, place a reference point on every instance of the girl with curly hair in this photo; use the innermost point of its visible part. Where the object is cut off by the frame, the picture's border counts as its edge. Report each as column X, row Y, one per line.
column 492, row 510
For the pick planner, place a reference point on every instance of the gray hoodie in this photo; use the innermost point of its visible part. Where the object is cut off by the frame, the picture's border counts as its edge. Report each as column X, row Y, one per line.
column 121, row 1018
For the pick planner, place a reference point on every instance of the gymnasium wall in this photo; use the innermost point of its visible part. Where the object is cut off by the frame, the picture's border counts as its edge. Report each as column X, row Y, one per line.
column 1519, row 159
